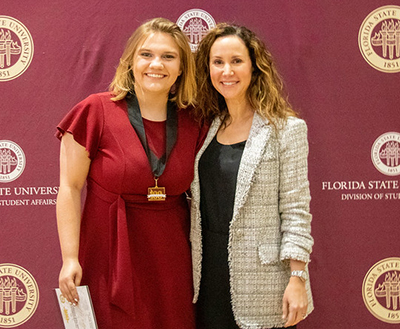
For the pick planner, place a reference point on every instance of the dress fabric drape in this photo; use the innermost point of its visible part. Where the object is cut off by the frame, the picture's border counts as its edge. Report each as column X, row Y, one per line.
column 135, row 254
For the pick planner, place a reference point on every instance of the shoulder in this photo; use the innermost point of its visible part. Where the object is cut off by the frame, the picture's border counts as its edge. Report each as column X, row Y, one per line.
column 103, row 99
column 91, row 103
column 293, row 135
column 94, row 108
column 94, row 98
column 292, row 127
column 101, row 105
column 293, row 122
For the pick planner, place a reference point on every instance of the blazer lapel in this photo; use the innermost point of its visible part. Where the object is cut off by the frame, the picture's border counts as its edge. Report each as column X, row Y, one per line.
column 260, row 132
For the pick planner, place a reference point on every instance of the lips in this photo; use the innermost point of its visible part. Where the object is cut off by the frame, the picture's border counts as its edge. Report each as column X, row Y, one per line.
column 229, row 83
column 155, row 75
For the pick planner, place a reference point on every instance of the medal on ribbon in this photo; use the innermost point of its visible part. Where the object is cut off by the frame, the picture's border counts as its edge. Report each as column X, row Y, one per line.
column 154, row 193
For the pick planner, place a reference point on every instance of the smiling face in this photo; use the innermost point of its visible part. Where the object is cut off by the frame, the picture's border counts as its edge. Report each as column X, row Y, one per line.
column 156, row 64
column 230, row 68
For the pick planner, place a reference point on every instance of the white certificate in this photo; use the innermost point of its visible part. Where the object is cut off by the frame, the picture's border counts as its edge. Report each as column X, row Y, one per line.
column 80, row 316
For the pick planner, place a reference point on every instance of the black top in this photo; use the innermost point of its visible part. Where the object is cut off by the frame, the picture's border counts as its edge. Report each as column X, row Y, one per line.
column 218, row 168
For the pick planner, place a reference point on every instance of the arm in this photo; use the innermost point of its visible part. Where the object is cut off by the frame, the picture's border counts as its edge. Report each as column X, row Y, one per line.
column 295, row 216
column 295, row 299
column 294, row 193
column 74, row 167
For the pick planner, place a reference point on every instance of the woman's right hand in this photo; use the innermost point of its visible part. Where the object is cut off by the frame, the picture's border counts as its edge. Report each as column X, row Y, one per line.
column 74, row 168
column 70, row 277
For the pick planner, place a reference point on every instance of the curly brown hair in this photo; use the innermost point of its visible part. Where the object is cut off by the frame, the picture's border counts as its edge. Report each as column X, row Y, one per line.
column 185, row 86
column 265, row 92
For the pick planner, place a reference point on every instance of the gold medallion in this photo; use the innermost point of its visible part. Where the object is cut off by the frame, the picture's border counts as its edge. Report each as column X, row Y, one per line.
column 156, row 193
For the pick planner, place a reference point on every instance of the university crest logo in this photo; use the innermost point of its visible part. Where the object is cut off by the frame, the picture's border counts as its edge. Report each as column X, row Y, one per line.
column 16, row 48
column 19, row 295
column 379, row 39
column 381, row 288
column 385, row 153
column 12, row 161
column 195, row 23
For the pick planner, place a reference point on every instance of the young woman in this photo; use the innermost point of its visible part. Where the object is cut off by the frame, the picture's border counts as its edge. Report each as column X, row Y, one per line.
column 250, row 195
column 134, row 147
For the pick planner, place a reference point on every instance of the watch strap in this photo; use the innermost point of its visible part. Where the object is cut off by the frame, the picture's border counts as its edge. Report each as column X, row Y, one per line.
column 302, row 274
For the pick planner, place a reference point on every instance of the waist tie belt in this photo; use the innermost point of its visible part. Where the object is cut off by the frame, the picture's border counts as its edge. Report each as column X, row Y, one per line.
column 121, row 274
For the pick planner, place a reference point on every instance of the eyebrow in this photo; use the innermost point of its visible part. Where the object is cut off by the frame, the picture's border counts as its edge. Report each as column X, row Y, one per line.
column 164, row 52
column 234, row 56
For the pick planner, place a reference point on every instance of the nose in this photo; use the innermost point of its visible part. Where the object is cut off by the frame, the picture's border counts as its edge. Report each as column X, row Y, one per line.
column 156, row 63
column 227, row 70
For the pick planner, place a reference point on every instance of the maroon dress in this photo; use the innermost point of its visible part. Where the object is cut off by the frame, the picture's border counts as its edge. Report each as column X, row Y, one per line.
column 135, row 253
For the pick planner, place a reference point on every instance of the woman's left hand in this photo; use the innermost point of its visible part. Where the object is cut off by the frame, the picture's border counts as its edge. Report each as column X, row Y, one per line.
column 295, row 302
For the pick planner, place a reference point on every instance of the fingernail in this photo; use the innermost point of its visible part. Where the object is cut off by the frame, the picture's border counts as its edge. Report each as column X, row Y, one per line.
column 76, row 299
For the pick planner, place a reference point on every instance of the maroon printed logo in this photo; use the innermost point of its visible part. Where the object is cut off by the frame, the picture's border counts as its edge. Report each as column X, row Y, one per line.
column 390, row 153
column 12, row 295
column 16, row 48
column 385, row 153
column 386, row 39
column 379, row 39
column 12, row 161
column 10, row 50
column 8, row 161
column 195, row 23
column 19, row 295
column 381, row 290
column 387, row 291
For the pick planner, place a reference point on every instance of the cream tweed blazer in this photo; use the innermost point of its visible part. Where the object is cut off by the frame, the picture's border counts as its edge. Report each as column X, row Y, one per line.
column 271, row 221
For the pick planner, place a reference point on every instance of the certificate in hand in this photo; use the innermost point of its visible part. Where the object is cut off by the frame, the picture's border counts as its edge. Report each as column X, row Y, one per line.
column 80, row 316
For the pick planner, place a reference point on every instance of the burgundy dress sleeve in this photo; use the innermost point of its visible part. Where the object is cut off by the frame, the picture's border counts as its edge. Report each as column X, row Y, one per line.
column 85, row 122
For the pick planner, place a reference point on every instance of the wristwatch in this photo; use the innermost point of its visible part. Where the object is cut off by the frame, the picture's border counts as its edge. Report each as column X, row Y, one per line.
column 301, row 274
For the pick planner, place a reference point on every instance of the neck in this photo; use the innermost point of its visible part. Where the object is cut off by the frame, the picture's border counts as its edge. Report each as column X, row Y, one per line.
column 238, row 125
column 153, row 107
column 239, row 111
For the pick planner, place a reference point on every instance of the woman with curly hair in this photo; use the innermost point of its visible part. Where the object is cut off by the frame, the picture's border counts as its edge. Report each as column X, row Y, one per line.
column 250, row 216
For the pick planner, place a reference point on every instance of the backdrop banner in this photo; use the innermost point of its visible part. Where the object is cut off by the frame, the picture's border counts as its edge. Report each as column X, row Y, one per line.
column 340, row 61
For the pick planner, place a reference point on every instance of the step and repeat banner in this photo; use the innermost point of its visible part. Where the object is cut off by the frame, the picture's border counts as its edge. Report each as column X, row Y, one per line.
column 340, row 61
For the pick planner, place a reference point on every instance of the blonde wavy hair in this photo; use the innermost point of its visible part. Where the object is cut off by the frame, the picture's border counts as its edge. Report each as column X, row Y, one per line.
column 185, row 86
column 265, row 92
